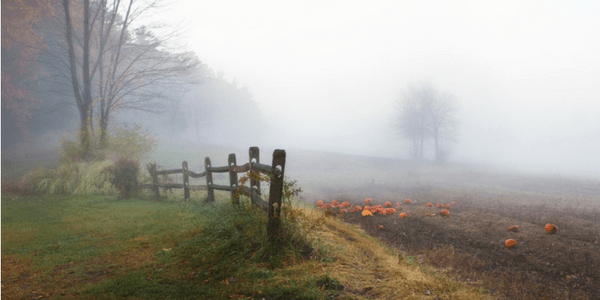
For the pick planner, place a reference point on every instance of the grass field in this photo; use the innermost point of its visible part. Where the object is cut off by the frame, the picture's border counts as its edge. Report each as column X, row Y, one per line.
column 101, row 247
column 66, row 247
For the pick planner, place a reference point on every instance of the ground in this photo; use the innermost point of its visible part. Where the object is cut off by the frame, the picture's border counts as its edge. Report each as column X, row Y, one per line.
column 469, row 244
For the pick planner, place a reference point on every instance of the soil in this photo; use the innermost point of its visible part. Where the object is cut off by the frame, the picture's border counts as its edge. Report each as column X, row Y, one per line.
column 469, row 246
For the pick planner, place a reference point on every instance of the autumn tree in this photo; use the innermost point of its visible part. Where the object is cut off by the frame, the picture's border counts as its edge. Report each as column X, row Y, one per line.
column 425, row 113
column 21, row 43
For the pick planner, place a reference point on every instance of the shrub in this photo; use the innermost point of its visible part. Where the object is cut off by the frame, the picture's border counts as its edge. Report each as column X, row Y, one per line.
column 124, row 176
column 132, row 143
column 82, row 178
column 124, row 142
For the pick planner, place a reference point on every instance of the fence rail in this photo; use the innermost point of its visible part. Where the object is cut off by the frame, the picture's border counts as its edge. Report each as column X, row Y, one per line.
column 276, row 169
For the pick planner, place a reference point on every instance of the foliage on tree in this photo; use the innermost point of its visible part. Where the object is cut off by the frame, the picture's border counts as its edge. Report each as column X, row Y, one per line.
column 422, row 113
column 21, row 43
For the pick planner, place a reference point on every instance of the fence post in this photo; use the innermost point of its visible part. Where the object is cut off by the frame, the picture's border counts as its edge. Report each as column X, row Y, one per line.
column 275, row 195
column 233, row 179
column 186, row 181
column 209, row 181
column 254, row 184
column 154, row 175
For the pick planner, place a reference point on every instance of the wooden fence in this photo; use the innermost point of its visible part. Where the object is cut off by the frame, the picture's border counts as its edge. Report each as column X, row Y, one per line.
column 276, row 169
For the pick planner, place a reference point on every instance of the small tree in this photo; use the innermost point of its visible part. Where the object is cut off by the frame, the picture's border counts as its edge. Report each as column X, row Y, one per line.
column 124, row 176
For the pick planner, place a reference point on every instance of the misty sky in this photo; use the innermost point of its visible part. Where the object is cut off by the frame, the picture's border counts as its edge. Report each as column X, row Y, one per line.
column 328, row 73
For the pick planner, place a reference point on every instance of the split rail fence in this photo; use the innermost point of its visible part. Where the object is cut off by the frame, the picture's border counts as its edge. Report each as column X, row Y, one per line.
column 276, row 169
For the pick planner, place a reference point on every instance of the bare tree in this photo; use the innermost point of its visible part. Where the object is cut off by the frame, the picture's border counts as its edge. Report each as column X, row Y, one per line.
column 423, row 113
column 442, row 122
column 117, row 66
column 82, row 98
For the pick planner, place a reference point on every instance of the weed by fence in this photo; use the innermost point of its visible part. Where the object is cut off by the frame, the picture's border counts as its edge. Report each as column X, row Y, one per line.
column 276, row 170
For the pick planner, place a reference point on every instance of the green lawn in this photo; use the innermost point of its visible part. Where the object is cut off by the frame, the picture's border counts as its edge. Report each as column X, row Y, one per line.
column 107, row 248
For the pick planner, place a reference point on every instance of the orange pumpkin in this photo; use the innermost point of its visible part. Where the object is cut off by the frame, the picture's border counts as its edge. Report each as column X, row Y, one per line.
column 380, row 226
column 444, row 213
column 447, row 205
column 345, row 204
column 366, row 213
column 429, row 204
column 368, row 201
column 439, row 205
column 319, row 203
column 453, row 202
column 334, row 203
column 510, row 243
column 513, row 228
column 403, row 215
column 357, row 208
column 391, row 211
column 343, row 211
column 551, row 228
column 407, row 201
column 387, row 204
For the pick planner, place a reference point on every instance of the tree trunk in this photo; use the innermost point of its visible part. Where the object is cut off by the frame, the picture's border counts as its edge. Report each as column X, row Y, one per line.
column 83, row 103
column 84, row 134
column 104, row 130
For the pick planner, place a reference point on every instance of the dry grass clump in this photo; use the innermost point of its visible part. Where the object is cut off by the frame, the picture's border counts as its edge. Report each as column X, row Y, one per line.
column 370, row 270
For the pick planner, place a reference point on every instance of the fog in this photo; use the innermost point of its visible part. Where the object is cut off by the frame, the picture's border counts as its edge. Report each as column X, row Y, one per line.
column 327, row 74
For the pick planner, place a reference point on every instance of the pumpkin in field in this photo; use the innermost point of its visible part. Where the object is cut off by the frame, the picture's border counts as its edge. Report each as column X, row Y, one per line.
column 343, row 211
column 319, row 203
column 334, row 203
column 429, row 214
column 326, row 206
column 429, row 204
column 366, row 213
column 513, row 228
column 551, row 228
column 398, row 204
column 403, row 215
column 380, row 226
column 407, row 201
column 510, row 243
column 439, row 205
column 368, row 201
column 391, row 211
column 345, row 204
column 447, row 205
column 387, row 204
column 453, row 202
column 444, row 213
column 357, row 208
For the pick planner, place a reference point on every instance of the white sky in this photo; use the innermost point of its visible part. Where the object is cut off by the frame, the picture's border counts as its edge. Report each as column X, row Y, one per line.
column 527, row 73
